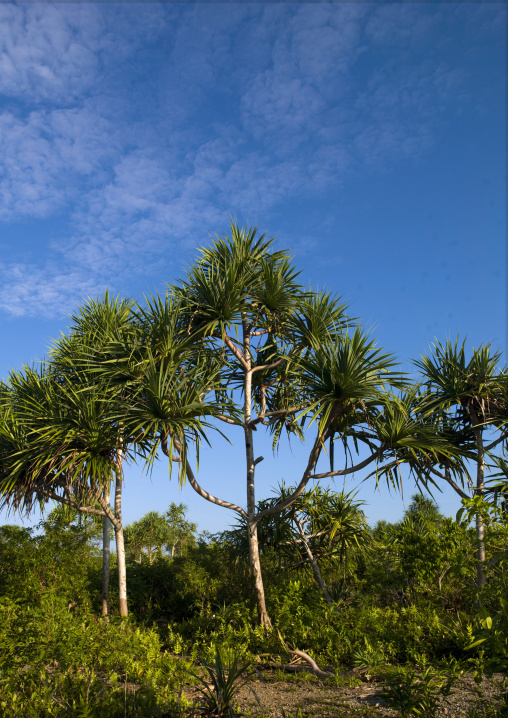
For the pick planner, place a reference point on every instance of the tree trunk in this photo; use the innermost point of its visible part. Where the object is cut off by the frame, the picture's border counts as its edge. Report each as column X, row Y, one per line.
column 480, row 475
column 120, row 547
column 106, row 557
column 252, row 530
column 315, row 566
column 257, row 578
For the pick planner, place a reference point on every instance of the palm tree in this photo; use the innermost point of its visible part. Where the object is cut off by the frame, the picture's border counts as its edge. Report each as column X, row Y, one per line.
column 64, row 446
column 182, row 533
column 66, row 438
column 423, row 509
column 288, row 362
column 328, row 524
column 147, row 536
column 468, row 398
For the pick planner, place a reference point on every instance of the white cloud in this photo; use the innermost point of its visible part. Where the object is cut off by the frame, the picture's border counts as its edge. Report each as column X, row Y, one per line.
column 28, row 290
column 45, row 156
column 352, row 79
column 139, row 146
column 48, row 52
column 58, row 52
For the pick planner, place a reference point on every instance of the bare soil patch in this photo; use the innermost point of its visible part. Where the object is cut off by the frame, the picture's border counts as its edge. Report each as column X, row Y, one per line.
column 314, row 699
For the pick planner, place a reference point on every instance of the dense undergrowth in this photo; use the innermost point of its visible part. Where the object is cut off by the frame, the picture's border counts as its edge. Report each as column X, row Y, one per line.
column 407, row 599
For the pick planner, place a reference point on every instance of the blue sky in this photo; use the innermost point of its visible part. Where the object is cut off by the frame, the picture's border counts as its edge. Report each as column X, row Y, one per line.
column 370, row 139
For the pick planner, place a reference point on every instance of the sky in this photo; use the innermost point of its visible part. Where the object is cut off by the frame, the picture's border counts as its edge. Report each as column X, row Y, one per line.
column 370, row 139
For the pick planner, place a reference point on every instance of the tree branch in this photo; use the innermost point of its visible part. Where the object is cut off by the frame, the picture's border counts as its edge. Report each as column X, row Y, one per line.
column 279, row 412
column 496, row 442
column 313, row 459
column 228, row 420
column 238, row 354
column 452, row 483
column 270, row 366
column 312, row 663
column 343, row 472
column 204, row 494
column 109, row 513
column 72, row 504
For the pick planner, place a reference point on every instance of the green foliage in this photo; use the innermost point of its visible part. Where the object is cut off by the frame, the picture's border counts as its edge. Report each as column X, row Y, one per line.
column 414, row 692
column 52, row 660
column 491, row 626
column 52, row 645
column 224, row 680
column 146, row 537
column 61, row 560
column 159, row 377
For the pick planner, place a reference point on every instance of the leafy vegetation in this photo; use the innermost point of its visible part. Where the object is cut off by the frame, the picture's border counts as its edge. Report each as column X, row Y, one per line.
column 301, row 580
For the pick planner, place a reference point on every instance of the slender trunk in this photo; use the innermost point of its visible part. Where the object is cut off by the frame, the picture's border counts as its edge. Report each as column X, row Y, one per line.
column 315, row 566
column 257, row 578
column 106, row 557
column 480, row 527
column 120, row 547
column 252, row 530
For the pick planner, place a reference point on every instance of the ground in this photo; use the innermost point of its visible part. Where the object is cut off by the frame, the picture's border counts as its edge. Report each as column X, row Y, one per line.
column 313, row 699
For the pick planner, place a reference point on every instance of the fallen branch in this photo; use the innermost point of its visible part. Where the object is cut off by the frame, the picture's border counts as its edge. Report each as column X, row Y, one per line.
column 312, row 666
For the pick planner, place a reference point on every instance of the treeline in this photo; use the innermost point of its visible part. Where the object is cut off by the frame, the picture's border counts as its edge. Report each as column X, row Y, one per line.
column 324, row 541
column 423, row 556
column 400, row 593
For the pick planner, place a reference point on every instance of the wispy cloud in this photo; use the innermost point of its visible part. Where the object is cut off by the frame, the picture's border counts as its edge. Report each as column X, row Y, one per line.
column 46, row 156
column 139, row 127
column 28, row 290
column 49, row 51
column 60, row 52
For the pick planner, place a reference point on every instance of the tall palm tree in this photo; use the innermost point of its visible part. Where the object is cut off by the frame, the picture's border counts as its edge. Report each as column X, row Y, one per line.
column 288, row 363
column 468, row 398
column 67, row 438
column 64, row 446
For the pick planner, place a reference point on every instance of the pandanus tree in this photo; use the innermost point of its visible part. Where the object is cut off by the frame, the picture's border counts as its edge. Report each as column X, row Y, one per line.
column 289, row 362
column 329, row 524
column 182, row 532
column 75, row 357
column 468, row 399
column 239, row 341
column 147, row 537
column 66, row 438
column 61, row 443
column 320, row 525
column 245, row 302
column 154, row 532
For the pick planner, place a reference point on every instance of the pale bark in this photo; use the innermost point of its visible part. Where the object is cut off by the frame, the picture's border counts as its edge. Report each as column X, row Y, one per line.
column 480, row 488
column 312, row 663
column 115, row 518
column 257, row 577
column 252, row 531
column 350, row 470
column 193, row 481
column 315, row 566
column 106, row 557
column 74, row 504
column 120, row 546
column 446, row 476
